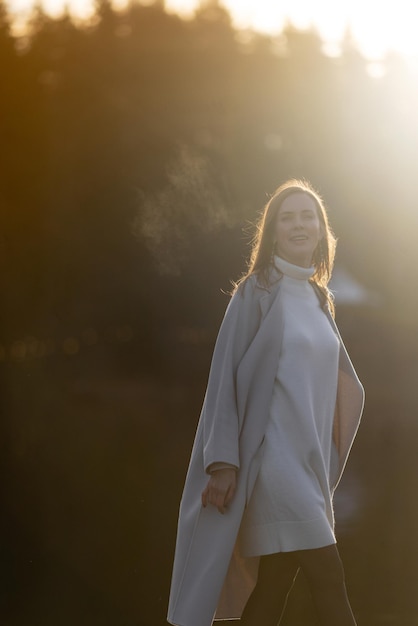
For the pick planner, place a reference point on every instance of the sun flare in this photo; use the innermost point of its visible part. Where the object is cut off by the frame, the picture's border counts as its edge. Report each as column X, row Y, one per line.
column 375, row 27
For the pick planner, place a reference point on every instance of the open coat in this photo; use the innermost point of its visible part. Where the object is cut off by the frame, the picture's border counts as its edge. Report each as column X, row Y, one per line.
column 209, row 575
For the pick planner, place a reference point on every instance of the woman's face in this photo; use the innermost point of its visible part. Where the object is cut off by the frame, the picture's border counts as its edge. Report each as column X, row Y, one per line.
column 298, row 229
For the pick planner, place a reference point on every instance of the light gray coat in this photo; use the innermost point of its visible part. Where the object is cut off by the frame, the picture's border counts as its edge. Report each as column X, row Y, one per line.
column 209, row 575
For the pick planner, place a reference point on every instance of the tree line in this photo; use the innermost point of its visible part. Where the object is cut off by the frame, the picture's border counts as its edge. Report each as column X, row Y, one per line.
column 138, row 147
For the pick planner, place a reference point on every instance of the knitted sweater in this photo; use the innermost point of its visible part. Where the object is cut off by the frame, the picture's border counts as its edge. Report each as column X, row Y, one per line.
column 291, row 504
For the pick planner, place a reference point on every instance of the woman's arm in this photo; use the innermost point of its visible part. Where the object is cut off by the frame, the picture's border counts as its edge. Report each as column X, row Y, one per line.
column 220, row 415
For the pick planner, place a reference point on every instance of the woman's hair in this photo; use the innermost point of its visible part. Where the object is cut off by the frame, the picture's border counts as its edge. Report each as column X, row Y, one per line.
column 263, row 243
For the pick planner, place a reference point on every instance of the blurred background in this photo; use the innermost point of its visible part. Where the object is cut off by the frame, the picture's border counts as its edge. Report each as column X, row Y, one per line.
column 138, row 145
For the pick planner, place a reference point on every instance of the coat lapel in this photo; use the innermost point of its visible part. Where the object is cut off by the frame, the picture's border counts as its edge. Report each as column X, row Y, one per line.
column 265, row 304
column 270, row 292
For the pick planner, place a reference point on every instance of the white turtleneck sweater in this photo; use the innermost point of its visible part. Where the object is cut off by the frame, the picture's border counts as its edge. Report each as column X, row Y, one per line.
column 291, row 504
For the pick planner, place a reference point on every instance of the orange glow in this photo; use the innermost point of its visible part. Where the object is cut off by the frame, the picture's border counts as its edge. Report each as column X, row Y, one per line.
column 375, row 27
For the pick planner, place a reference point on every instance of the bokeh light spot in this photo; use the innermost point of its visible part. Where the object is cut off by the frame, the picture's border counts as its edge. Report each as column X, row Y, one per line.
column 71, row 346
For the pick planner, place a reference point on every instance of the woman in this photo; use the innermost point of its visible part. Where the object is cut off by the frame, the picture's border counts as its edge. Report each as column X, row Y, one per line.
column 282, row 407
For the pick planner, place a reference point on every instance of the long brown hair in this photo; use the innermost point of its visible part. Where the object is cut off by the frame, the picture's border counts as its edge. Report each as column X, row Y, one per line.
column 262, row 251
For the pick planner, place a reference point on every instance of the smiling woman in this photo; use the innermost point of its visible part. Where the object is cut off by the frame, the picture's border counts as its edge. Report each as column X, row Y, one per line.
column 273, row 436
column 298, row 229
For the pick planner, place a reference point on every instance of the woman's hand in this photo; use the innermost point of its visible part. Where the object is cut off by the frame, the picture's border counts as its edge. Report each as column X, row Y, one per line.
column 220, row 489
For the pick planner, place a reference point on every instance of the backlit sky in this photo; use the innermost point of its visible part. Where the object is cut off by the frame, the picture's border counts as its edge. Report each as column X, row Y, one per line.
column 376, row 25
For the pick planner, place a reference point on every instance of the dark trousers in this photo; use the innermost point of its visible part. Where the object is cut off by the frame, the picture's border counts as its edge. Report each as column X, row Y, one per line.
column 324, row 573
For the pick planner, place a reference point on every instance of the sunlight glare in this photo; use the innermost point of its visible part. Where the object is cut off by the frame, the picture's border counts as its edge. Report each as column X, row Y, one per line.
column 182, row 7
column 83, row 9
column 376, row 27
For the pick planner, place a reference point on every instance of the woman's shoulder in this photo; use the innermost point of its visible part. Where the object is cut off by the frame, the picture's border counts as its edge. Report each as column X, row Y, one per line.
column 247, row 286
column 258, row 283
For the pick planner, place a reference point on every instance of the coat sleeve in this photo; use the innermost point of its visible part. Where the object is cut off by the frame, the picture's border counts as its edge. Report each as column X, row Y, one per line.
column 219, row 413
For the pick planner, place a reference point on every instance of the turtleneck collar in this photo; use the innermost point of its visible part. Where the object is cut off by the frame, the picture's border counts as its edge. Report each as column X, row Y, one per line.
column 293, row 271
